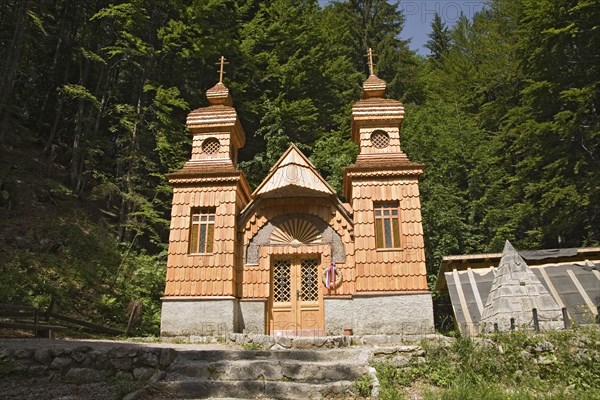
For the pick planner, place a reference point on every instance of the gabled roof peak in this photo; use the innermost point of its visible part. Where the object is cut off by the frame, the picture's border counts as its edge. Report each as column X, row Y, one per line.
column 293, row 174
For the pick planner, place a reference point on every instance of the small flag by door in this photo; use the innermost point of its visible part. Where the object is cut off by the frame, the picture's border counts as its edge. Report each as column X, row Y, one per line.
column 330, row 277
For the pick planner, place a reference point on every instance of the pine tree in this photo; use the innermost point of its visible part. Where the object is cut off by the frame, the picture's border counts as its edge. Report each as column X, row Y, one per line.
column 439, row 38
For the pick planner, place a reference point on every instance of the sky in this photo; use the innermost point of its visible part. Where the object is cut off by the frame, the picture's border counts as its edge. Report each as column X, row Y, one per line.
column 419, row 14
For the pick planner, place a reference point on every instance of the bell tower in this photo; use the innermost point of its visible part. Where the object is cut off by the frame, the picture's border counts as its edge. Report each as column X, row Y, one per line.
column 216, row 129
column 208, row 194
column 376, row 123
column 382, row 187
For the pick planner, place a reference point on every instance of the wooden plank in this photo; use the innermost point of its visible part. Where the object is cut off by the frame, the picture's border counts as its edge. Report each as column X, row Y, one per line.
column 462, row 300
column 582, row 292
column 95, row 327
column 17, row 307
column 553, row 290
column 475, row 290
column 31, row 326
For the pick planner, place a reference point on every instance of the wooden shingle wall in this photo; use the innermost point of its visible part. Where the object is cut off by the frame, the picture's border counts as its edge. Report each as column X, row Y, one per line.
column 388, row 270
column 367, row 147
column 203, row 274
column 255, row 278
column 224, row 151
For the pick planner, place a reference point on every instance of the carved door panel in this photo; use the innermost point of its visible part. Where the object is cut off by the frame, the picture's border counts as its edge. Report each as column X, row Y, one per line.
column 296, row 297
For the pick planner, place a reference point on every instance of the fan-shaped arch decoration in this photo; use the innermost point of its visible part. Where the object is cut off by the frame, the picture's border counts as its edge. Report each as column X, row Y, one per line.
column 295, row 231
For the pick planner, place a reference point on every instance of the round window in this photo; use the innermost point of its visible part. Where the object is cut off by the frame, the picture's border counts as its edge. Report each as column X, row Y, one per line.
column 380, row 139
column 211, row 146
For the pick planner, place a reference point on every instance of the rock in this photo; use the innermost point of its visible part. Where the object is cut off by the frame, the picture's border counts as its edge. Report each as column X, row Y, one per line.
column 100, row 359
column 122, row 352
column 283, row 341
column 399, row 349
column 82, row 349
column 545, row 359
column 23, row 353
column 158, row 376
column 121, row 363
column 84, row 375
column 134, row 395
column 264, row 341
column 78, row 357
column 308, row 342
column 166, row 357
column 42, row 356
column 5, row 354
column 398, row 360
column 543, row 347
column 375, row 339
column 56, row 352
column 37, row 370
column 60, row 363
column 148, row 358
column 143, row 373
column 123, row 375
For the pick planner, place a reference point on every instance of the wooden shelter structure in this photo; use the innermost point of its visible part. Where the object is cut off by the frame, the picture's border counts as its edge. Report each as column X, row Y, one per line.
column 291, row 258
column 500, row 290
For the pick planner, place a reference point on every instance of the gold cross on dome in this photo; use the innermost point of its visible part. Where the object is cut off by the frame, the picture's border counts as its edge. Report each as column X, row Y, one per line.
column 370, row 54
column 222, row 62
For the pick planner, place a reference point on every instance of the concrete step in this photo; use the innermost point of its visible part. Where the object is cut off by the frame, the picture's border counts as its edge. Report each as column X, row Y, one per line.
column 269, row 370
column 205, row 389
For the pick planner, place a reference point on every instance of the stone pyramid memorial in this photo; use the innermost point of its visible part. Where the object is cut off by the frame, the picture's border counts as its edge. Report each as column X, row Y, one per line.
column 515, row 292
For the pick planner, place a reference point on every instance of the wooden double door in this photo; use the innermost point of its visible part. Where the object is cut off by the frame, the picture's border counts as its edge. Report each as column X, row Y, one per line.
column 296, row 304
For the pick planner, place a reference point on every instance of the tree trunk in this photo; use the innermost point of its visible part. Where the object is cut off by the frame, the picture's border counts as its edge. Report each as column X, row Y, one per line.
column 13, row 58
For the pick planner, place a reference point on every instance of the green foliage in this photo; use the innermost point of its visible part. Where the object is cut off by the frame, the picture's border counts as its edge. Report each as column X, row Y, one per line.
column 507, row 365
column 364, row 386
column 439, row 38
column 251, row 346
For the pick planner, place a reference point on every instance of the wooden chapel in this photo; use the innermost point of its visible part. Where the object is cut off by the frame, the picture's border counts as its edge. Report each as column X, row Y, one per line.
column 290, row 258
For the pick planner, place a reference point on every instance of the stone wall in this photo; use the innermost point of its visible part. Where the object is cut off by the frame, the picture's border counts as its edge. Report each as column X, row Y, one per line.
column 199, row 317
column 83, row 364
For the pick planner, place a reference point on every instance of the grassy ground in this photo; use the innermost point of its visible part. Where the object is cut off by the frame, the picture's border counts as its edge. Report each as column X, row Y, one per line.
column 519, row 366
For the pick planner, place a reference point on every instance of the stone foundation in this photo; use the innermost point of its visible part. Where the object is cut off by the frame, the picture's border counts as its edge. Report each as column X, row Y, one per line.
column 252, row 316
column 203, row 317
column 404, row 315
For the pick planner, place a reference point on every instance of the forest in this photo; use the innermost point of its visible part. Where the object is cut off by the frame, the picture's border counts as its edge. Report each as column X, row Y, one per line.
column 503, row 111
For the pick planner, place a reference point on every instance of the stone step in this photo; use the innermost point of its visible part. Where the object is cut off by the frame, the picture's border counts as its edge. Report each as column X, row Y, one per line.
column 350, row 355
column 205, row 389
column 269, row 370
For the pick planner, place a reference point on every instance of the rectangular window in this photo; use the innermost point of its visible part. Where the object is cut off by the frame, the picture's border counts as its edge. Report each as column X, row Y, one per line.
column 387, row 225
column 202, row 230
